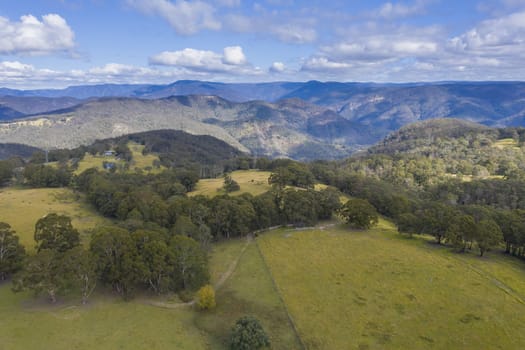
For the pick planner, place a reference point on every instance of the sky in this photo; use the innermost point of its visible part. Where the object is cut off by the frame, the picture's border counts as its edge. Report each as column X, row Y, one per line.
column 59, row 43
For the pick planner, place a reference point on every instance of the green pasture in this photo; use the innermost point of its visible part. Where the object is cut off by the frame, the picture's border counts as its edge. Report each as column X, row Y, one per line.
column 379, row 290
column 251, row 181
column 21, row 208
column 249, row 291
column 138, row 161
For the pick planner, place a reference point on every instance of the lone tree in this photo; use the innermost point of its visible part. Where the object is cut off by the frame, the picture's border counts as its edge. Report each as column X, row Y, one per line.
column 206, row 298
column 359, row 213
column 230, row 185
column 55, row 232
column 11, row 251
column 248, row 334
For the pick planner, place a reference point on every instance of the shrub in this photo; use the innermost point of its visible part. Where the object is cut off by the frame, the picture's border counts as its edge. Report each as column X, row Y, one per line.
column 248, row 334
column 206, row 298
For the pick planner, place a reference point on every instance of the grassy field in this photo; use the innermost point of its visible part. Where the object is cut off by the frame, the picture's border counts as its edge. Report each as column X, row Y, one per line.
column 249, row 291
column 105, row 323
column 141, row 161
column 378, row 290
column 90, row 161
column 21, row 208
column 138, row 161
column 251, row 181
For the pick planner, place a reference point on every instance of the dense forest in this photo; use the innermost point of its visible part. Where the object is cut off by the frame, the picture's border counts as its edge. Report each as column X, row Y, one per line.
column 462, row 183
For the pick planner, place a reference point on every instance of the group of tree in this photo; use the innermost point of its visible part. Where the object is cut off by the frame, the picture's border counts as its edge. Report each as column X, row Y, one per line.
column 460, row 227
column 118, row 258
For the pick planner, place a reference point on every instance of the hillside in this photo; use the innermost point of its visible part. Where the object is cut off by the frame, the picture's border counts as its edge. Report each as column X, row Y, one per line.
column 436, row 151
column 8, row 150
column 173, row 148
column 285, row 129
column 311, row 120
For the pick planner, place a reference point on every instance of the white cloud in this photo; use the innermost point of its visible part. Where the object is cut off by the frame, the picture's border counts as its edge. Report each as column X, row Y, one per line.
column 32, row 36
column 231, row 61
column 378, row 43
column 497, row 36
column 323, row 63
column 186, row 17
column 277, row 67
column 228, row 3
column 189, row 58
column 233, row 55
column 285, row 28
column 398, row 10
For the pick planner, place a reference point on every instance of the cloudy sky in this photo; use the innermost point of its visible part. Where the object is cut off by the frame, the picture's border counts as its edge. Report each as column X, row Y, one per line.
column 57, row 43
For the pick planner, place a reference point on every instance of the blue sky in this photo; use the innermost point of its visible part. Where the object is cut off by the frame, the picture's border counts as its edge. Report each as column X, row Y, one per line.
column 57, row 43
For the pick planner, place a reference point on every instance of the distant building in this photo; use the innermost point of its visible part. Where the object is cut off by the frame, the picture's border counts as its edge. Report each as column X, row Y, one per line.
column 109, row 153
column 109, row 165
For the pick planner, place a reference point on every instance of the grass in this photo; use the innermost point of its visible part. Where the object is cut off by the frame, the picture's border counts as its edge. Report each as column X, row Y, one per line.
column 250, row 181
column 90, row 161
column 21, row 208
column 138, row 161
column 105, row 323
column 378, row 290
column 506, row 143
column 249, row 291
column 141, row 161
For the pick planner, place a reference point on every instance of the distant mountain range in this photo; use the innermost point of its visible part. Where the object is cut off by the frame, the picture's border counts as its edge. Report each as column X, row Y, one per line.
column 298, row 120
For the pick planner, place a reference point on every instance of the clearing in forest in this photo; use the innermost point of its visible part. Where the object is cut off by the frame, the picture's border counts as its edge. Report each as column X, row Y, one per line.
column 251, row 181
column 21, row 208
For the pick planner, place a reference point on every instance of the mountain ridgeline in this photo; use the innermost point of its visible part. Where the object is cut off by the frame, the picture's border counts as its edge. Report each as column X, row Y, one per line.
column 311, row 120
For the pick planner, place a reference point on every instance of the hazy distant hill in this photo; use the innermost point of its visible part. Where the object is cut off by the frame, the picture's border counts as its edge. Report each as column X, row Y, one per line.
column 8, row 150
column 299, row 120
column 24, row 106
column 284, row 129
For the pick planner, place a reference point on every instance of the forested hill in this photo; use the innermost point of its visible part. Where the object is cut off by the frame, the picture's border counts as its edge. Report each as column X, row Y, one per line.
column 434, row 151
column 176, row 148
column 413, row 137
column 8, row 150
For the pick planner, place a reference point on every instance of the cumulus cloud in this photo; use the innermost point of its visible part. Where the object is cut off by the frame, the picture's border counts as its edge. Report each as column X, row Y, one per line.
column 32, row 36
column 323, row 63
column 234, row 55
column 391, row 10
column 494, row 49
column 232, row 61
column 285, row 28
column 277, row 67
column 186, row 17
column 493, row 37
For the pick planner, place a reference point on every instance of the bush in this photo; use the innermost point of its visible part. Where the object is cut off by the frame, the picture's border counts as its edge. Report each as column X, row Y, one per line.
column 248, row 334
column 186, row 295
column 206, row 298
